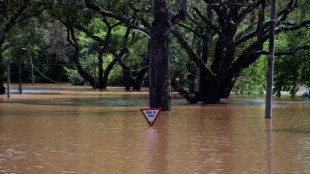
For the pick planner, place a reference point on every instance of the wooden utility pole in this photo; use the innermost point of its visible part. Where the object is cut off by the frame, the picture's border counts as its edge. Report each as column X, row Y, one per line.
column 273, row 17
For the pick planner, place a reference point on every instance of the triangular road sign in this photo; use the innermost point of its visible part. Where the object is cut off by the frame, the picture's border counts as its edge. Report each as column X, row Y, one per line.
column 150, row 114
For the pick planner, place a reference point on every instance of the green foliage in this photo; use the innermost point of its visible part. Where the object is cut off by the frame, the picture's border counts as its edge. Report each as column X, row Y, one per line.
column 116, row 76
column 291, row 71
column 253, row 79
column 74, row 77
column 45, row 41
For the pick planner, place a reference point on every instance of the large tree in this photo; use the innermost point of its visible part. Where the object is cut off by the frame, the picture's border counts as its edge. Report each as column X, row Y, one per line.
column 238, row 31
column 159, row 71
column 126, row 14
column 159, row 63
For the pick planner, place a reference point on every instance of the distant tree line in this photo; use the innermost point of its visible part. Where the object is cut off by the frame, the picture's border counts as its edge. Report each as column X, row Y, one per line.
column 204, row 49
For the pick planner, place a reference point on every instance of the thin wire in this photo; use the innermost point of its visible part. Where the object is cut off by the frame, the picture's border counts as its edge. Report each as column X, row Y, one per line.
column 45, row 76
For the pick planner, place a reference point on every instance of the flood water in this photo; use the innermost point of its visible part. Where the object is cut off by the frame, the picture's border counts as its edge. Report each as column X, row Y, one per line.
column 63, row 129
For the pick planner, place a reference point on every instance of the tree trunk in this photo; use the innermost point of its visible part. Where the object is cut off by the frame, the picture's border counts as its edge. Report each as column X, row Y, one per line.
column 191, row 86
column 139, row 79
column 2, row 88
column 202, row 86
column 75, row 57
column 107, row 71
column 212, row 91
column 159, row 69
column 100, row 73
column 227, row 90
column 126, row 79
column 159, row 73
column 82, row 73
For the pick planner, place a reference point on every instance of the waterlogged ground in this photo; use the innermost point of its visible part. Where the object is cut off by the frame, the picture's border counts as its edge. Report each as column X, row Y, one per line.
column 65, row 129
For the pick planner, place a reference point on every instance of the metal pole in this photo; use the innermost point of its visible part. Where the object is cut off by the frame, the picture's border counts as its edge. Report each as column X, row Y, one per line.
column 20, row 75
column 8, row 78
column 32, row 72
column 268, row 107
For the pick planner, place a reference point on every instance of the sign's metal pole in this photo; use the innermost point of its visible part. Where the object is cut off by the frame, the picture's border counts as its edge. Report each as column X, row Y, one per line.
column 268, row 107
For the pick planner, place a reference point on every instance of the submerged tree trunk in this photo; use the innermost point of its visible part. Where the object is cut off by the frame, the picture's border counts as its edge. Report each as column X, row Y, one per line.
column 104, row 82
column 75, row 57
column 100, row 73
column 159, row 65
column 84, row 74
column 159, row 73
column 139, row 79
column 126, row 79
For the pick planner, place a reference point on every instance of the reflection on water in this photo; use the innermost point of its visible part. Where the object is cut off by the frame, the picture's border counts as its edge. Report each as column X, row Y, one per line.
column 86, row 131
column 268, row 129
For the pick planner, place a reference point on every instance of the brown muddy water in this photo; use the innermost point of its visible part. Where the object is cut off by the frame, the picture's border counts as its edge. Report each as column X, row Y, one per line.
column 64, row 129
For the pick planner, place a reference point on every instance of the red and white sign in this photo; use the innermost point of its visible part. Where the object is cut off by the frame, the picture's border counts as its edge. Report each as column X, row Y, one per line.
column 150, row 114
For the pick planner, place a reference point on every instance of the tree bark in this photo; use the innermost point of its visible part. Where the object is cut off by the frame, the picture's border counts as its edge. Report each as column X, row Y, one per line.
column 160, row 73
column 159, row 65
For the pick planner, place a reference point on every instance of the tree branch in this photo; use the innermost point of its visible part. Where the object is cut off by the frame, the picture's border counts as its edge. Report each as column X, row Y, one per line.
column 292, row 52
column 189, row 29
column 289, row 8
column 105, row 13
column 12, row 21
column 192, row 54
column 182, row 13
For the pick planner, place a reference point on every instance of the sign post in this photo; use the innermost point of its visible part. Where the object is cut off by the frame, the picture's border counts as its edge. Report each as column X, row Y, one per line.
column 150, row 114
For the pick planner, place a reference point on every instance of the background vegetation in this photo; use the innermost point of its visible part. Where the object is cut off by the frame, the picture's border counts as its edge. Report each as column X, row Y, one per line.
column 67, row 41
